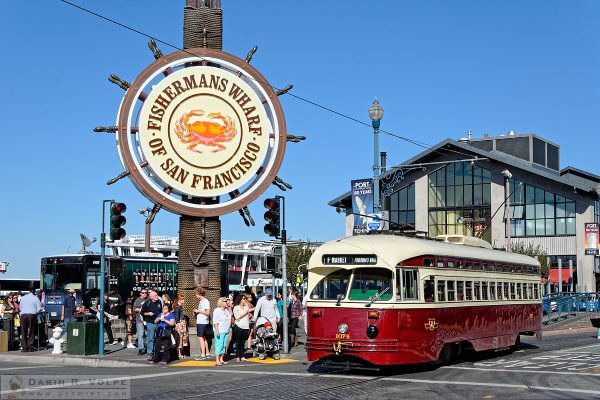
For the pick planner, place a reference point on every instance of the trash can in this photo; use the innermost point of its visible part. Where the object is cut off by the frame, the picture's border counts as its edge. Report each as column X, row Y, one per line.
column 83, row 338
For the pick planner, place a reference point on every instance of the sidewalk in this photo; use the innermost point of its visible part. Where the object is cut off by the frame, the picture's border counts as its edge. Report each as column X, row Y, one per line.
column 116, row 356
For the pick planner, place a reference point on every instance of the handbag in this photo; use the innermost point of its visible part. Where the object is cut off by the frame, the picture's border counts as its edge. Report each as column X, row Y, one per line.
column 166, row 333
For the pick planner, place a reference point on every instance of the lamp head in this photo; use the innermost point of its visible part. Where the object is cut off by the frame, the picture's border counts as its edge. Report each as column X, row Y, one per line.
column 506, row 173
column 375, row 113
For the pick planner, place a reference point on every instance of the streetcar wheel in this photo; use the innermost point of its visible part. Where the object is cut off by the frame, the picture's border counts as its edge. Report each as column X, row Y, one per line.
column 517, row 345
column 262, row 356
column 445, row 355
column 276, row 356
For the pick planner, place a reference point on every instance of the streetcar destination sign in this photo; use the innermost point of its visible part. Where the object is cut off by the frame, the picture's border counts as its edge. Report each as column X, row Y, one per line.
column 349, row 259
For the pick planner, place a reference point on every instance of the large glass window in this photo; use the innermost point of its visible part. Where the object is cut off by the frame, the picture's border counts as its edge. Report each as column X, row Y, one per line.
column 330, row 286
column 537, row 212
column 407, row 284
column 459, row 200
column 596, row 211
column 402, row 207
column 368, row 282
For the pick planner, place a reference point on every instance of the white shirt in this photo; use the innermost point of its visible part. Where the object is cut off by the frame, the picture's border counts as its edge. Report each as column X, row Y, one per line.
column 266, row 308
column 202, row 319
column 222, row 320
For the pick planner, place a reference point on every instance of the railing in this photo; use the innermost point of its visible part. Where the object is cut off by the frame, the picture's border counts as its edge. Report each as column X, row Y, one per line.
column 560, row 306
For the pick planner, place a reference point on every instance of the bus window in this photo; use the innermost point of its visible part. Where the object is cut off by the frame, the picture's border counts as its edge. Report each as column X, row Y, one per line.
column 428, row 262
column 368, row 282
column 451, row 293
column 519, row 292
column 484, row 290
column 468, row 290
column 513, row 292
column 492, row 290
column 441, row 292
column 440, row 263
column 330, row 286
column 505, row 291
column 406, row 284
column 429, row 289
column 476, row 290
column 460, row 290
column 450, row 264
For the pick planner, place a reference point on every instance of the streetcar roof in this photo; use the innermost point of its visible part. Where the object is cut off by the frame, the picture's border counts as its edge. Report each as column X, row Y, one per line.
column 392, row 249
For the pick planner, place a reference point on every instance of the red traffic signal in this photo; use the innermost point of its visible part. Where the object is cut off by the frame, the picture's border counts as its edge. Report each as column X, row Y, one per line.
column 117, row 220
column 272, row 228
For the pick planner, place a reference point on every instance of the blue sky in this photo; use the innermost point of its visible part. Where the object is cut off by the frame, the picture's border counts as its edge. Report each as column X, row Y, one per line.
column 439, row 69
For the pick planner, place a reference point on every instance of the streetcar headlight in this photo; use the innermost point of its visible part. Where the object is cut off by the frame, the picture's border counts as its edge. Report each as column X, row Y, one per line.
column 342, row 328
column 372, row 331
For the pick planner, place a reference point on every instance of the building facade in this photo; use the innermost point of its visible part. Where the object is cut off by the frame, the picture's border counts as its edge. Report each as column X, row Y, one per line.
column 462, row 187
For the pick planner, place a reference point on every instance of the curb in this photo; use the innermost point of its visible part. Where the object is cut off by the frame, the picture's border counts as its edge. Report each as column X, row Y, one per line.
column 565, row 331
column 70, row 361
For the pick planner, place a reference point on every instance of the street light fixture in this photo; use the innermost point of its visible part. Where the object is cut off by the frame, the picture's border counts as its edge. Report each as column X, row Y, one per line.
column 376, row 113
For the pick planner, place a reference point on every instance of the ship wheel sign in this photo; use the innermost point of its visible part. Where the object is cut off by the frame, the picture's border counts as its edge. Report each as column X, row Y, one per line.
column 200, row 124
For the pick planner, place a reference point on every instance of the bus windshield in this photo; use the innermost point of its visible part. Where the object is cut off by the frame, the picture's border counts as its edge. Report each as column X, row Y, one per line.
column 368, row 282
column 334, row 284
column 62, row 277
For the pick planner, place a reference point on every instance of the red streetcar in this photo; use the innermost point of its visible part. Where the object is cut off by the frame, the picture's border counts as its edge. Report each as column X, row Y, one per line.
column 389, row 299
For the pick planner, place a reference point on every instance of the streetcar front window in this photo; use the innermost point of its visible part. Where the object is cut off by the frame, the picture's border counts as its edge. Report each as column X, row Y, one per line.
column 368, row 282
column 334, row 284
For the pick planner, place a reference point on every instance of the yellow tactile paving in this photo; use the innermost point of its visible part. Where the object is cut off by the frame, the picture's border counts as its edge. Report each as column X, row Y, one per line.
column 269, row 360
column 194, row 363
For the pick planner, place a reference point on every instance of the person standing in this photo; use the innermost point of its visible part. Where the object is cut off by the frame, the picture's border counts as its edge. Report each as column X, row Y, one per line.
column 181, row 330
column 250, row 293
column 165, row 323
column 130, row 319
column 114, row 301
column 139, row 321
column 150, row 311
column 241, row 327
column 305, row 313
column 29, row 307
column 202, row 320
column 266, row 307
column 67, row 310
column 221, row 326
column 295, row 316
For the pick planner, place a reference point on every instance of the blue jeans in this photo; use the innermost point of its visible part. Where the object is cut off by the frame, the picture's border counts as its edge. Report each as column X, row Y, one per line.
column 150, row 333
column 65, row 325
column 139, row 327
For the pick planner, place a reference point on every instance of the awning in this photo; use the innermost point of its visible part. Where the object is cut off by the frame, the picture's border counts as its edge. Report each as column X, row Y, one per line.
column 554, row 275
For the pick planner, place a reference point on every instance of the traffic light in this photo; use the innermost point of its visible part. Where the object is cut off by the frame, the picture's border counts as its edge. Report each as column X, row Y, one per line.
column 272, row 227
column 117, row 220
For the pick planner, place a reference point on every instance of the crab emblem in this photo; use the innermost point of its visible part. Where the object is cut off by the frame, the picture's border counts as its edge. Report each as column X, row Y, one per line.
column 212, row 130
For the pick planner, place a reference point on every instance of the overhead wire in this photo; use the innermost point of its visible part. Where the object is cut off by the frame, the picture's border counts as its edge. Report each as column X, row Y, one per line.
column 338, row 113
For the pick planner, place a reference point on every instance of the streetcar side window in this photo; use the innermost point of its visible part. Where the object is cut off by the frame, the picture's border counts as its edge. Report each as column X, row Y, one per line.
column 530, row 291
column 451, row 292
column 492, row 291
column 460, row 290
column 476, row 290
column 459, row 264
column 505, row 291
column 536, row 291
column 441, row 292
column 428, row 262
column 369, row 282
column 484, row 290
column 450, row 264
column 513, row 293
column 429, row 289
column 468, row 290
column 334, row 284
column 407, row 284
column 440, row 263
column 491, row 267
column 519, row 291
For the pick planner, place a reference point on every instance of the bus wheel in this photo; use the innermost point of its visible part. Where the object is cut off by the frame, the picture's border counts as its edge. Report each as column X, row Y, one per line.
column 445, row 355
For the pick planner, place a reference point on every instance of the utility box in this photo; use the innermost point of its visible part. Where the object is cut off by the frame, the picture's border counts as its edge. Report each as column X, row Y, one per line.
column 83, row 338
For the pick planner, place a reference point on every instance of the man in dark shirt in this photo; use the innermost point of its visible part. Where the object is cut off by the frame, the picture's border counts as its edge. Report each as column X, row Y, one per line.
column 68, row 309
column 150, row 310
column 114, row 301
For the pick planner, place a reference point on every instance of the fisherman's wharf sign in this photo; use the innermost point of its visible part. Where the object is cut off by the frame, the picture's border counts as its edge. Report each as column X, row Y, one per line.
column 201, row 124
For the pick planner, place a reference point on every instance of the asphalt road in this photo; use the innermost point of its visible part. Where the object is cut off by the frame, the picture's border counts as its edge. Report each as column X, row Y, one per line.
column 565, row 366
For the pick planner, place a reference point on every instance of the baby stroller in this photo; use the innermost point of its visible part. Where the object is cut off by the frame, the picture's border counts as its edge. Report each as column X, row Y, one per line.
column 265, row 340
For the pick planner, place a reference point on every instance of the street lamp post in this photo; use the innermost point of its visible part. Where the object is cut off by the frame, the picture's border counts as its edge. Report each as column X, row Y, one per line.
column 376, row 113
column 507, row 175
column 146, row 213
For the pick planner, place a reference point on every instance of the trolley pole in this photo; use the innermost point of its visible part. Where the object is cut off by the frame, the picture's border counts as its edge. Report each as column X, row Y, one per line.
column 286, row 344
column 102, row 275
